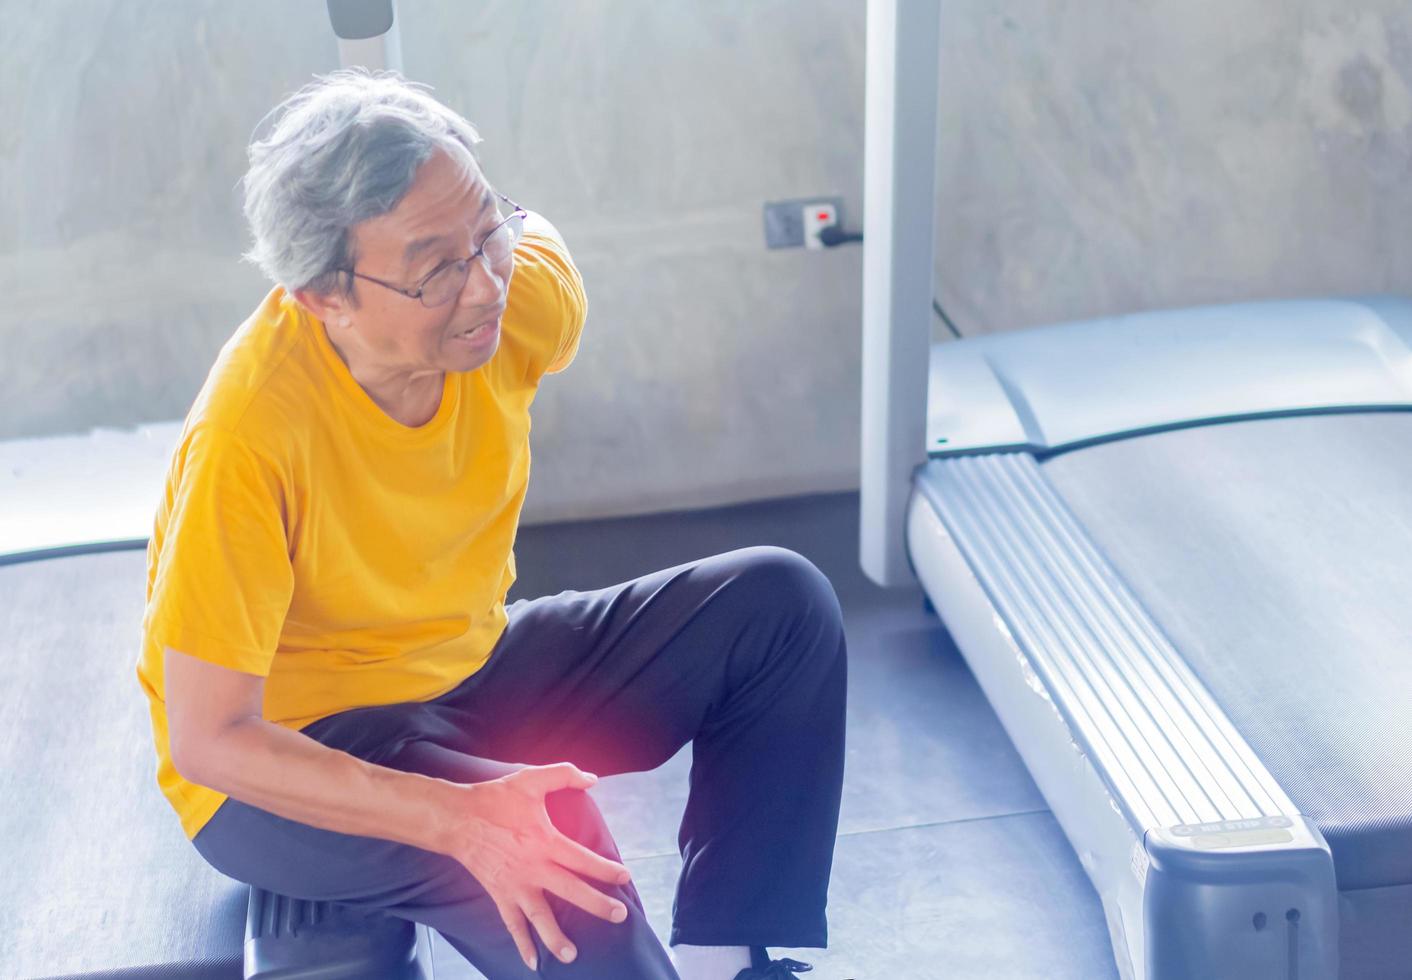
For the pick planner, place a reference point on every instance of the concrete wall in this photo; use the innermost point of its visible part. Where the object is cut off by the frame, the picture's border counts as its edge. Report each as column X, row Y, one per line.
column 1095, row 157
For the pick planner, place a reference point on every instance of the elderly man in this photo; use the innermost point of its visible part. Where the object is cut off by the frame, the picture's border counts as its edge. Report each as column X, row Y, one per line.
column 343, row 706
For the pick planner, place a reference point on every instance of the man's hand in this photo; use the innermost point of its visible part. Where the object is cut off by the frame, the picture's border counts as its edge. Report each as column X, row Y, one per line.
column 499, row 830
column 504, row 837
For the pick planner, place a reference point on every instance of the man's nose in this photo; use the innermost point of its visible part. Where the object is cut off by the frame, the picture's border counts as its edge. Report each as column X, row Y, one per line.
column 483, row 287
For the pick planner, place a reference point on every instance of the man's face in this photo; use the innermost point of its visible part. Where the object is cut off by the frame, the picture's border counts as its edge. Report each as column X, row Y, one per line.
column 445, row 216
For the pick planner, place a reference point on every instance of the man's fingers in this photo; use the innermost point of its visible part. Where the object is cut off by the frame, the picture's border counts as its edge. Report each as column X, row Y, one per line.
column 574, row 890
column 515, row 922
column 576, row 857
column 538, row 912
column 561, row 775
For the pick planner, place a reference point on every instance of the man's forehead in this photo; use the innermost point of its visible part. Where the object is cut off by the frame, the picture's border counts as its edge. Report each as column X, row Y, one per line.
column 419, row 243
column 433, row 211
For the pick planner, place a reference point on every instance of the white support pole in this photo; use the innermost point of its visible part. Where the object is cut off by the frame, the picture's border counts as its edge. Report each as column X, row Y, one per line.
column 899, row 184
column 374, row 53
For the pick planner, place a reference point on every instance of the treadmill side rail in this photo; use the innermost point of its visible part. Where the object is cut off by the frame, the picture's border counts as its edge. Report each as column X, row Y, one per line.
column 1186, row 836
column 1163, row 746
column 1102, row 836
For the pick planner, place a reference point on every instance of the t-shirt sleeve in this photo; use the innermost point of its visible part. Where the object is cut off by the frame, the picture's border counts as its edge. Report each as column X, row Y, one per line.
column 554, row 290
column 224, row 579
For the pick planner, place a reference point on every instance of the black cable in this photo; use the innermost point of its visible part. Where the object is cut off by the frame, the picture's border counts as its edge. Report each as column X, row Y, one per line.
column 834, row 235
column 946, row 320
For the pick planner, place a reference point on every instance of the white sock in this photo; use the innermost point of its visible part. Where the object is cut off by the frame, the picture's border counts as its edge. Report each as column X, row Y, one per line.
column 710, row 962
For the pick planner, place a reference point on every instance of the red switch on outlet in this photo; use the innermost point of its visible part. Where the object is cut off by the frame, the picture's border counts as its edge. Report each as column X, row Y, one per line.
column 817, row 217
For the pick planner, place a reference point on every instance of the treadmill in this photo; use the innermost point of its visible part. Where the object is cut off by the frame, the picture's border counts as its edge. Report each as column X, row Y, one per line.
column 1172, row 548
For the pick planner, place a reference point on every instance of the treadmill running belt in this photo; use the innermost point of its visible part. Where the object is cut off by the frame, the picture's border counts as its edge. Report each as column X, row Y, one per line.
column 1276, row 554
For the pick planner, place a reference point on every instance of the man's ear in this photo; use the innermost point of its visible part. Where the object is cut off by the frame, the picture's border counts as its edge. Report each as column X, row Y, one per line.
column 329, row 307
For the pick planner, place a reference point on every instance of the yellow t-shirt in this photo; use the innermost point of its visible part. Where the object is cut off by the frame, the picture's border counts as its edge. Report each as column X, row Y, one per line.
column 308, row 537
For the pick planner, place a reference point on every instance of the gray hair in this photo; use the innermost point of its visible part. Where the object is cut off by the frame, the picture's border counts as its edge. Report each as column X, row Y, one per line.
column 343, row 149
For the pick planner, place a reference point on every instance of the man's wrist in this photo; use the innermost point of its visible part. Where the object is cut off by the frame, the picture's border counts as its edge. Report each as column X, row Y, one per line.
column 448, row 807
column 430, row 811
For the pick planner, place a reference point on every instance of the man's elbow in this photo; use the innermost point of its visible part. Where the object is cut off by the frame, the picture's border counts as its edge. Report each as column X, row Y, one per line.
column 206, row 706
column 200, row 757
column 190, row 759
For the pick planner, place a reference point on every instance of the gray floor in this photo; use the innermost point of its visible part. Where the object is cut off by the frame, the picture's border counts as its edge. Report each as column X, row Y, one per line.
column 948, row 865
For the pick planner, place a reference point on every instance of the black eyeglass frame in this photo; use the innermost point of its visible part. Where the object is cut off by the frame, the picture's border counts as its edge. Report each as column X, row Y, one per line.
column 417, row 292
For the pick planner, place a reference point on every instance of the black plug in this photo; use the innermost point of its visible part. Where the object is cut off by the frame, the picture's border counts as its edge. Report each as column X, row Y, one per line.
column 834, row 235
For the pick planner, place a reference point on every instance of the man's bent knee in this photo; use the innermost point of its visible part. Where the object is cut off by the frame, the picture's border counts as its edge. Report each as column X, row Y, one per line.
column 577, row 817
column 786, row 579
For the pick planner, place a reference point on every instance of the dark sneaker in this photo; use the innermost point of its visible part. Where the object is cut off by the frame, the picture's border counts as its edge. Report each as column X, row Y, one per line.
column 763, row 968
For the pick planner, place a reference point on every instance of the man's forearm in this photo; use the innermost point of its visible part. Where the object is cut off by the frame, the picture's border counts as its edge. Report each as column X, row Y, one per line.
column 291, row 775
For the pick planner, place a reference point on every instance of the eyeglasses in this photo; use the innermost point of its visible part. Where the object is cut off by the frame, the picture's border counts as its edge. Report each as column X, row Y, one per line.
column 446, row 281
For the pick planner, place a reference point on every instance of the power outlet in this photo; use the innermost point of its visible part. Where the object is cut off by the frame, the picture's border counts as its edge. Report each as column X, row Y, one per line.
column 797, row 222
column 818, row 216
